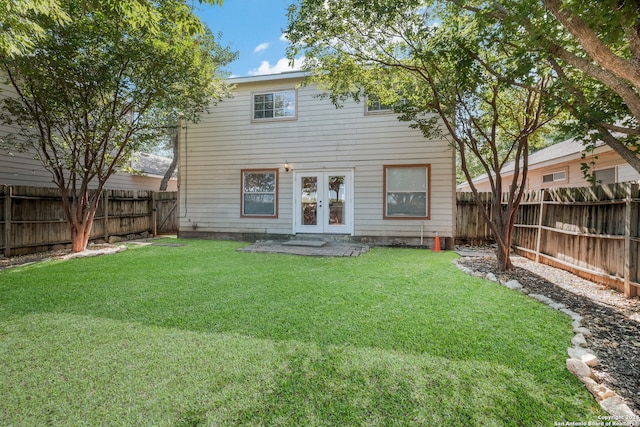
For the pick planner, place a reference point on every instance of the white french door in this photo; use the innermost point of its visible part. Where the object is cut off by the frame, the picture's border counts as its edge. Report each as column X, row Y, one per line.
column 323, row 202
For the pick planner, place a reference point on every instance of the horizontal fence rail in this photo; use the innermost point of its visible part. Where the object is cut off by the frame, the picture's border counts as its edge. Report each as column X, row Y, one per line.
column 32, row 219
column 593, row 232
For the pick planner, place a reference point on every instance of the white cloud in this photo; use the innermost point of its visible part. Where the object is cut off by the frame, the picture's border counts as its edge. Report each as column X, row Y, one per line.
column 284, row 38
column 261, row 47
column 279, row 67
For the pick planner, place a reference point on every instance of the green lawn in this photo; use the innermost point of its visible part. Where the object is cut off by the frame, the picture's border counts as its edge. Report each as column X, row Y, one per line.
column 200, row 334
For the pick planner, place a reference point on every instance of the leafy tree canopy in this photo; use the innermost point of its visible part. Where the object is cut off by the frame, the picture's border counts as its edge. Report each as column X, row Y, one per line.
column 594, row 48
column 18, row 28
column 421, row 57
column 104, row 83
column 432, row 57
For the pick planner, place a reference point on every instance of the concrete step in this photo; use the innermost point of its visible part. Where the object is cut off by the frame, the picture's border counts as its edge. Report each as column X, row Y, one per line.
column 306, row 243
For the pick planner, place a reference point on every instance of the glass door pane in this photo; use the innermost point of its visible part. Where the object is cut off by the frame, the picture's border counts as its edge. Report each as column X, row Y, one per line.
column 323, row 202
column 309, row 200
column 336, row 196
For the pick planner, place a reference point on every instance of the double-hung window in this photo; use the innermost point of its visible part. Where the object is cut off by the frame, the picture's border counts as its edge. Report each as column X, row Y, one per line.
column 375, row 106
column 555, row 177
column 406, row 191
column 259, row 193
column 605, row 176
column 274, row 105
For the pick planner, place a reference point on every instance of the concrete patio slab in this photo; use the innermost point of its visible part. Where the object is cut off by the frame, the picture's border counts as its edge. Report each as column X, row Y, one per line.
column 308, row 243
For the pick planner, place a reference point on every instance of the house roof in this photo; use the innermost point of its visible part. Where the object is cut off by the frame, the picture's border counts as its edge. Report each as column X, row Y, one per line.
column 269, row 77
column 562, row 151
column 150, row 164
column 556, row 152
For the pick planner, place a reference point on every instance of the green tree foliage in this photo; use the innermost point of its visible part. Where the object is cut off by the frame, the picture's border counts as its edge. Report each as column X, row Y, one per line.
column 594, row 48
column 104, row 83
column 19, row 29
column 442, row 73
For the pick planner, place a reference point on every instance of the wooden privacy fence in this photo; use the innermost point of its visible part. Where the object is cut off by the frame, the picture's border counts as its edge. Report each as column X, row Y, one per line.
column 165, row 212
column 471, row 228
column 593, row 232
column 32, row 218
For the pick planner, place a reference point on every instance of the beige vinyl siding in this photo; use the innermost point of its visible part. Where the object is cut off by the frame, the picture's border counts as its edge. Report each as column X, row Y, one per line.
column 18, row 168
column 623, row 172
column 213, row 151
column 22, row 168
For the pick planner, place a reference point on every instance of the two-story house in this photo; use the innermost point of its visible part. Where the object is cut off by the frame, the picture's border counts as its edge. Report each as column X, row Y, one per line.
column 276, row 160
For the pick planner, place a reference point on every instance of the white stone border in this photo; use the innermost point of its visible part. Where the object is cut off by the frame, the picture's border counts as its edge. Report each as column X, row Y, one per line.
column 581, row 358
column 93, row 252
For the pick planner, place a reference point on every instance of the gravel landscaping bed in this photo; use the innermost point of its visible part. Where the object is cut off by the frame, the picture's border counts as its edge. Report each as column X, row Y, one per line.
column 92, row 250
column 16, row 261
column 614, row 321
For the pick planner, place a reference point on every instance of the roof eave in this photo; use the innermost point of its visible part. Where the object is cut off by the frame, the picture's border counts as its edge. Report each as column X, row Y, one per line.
column 269, row 77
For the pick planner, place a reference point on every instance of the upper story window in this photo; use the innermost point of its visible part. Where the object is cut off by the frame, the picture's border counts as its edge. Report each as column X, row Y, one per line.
column 406, row 191
column 274, row 105
column 375, row 106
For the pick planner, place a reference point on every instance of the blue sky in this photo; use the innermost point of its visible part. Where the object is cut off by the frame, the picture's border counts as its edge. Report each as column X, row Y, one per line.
column 254, row 29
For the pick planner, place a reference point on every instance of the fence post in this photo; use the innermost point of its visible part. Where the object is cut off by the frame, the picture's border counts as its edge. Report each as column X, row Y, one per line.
column 489, row 201
column 629, row 291
column 540, row 220
column 105, row 207
column 154, row 208
column 7, row 221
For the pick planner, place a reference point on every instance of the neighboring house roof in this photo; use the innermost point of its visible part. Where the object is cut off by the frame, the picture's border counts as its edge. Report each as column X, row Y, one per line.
column 151, row 164
column 562, row 151
column 558, row 152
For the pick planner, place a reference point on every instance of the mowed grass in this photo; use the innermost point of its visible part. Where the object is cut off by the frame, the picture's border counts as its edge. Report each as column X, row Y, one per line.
column 200, row 334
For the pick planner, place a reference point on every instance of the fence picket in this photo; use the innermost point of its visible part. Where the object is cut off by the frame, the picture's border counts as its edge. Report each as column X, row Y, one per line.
column 34, row 221
column 591, row 231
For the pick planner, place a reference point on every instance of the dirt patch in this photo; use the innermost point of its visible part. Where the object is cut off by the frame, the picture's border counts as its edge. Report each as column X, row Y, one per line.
column 613, row 320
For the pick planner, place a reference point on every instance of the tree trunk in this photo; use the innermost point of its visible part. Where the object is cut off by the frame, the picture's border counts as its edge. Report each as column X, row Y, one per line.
column 80, row 236
column 504, row 237
column 80, row 213
column 172, row 166
column 630, row 156
column 501, row 224
column 503, row 257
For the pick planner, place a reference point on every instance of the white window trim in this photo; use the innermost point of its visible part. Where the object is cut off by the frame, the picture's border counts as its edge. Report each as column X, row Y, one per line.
column 554, row 180
column 387, row 110
column 274, row 119
column 369, row 112
column 615, row 174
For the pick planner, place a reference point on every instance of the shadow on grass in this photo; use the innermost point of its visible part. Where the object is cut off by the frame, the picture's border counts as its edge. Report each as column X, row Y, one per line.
column 68, row 369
